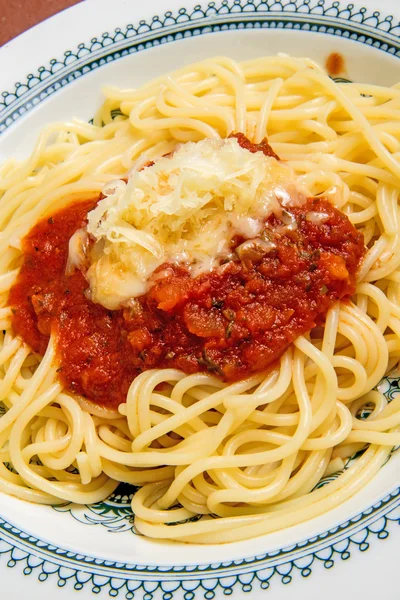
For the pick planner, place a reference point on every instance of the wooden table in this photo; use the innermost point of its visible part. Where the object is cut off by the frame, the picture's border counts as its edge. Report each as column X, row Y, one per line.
column 18, row 15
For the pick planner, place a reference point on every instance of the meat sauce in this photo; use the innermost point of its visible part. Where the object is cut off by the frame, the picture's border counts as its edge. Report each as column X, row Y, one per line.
column 231, row 322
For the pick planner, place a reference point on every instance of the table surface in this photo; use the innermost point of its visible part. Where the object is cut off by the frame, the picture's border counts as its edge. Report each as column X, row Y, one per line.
column 17, row 16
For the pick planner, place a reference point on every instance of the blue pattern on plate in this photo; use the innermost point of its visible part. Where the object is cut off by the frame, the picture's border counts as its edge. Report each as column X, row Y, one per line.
column 130, row 581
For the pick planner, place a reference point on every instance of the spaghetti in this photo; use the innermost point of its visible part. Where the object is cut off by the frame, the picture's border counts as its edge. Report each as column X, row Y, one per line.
column 245, row 456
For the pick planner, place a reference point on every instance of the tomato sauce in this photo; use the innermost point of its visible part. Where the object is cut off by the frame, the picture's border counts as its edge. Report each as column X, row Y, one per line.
column 335, row 64
column 232, row 322
column 263, row 146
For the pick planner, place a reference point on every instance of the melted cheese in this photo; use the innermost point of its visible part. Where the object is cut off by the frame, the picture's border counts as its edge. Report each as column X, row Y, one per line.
column 185, row 208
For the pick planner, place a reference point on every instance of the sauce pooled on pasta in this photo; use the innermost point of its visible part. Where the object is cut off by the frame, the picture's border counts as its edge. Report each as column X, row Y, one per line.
column 233, row 321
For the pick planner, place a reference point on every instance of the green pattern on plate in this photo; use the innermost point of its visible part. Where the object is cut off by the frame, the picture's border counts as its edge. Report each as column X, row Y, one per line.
column 18, row 549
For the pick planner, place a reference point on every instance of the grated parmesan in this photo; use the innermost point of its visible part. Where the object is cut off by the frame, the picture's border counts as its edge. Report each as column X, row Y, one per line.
column 184, row 208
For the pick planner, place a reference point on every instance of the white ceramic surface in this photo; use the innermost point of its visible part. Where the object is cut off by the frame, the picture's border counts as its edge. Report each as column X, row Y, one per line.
column 61, row 66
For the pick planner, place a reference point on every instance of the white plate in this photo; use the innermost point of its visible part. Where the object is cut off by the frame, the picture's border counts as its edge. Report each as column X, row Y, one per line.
column 60, row 66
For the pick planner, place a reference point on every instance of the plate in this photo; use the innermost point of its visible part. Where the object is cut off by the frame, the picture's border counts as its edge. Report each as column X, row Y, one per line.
column 55, row 71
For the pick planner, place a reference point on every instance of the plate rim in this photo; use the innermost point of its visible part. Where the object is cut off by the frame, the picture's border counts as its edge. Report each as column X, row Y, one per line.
column 37, row 556
column 351, row 21
column 45, row 560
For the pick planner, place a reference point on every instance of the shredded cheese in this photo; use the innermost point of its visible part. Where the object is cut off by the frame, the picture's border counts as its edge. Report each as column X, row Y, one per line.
column 184, row 208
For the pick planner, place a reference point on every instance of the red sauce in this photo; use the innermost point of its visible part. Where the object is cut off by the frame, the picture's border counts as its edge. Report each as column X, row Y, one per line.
column 231, row 322
column 263, row 146
column 335, row 64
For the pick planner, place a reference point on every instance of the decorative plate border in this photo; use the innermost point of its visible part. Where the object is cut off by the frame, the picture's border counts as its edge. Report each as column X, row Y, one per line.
column 128, row 580
column 118, row 579
column 310, row 15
